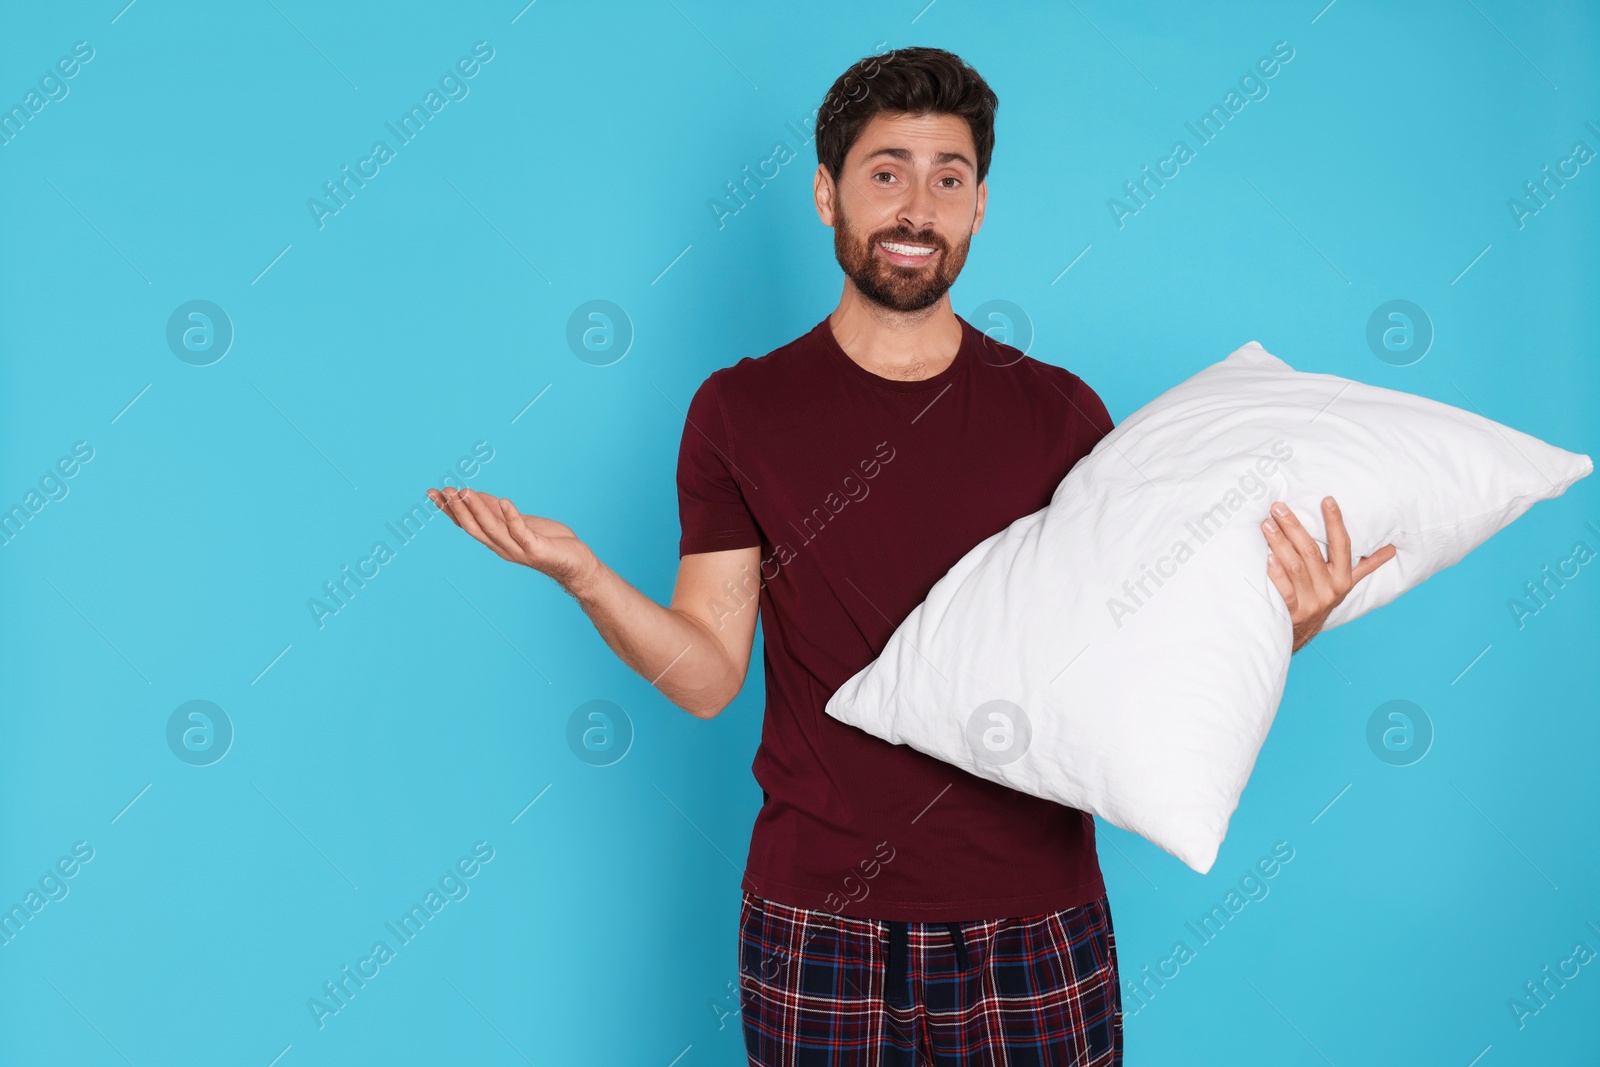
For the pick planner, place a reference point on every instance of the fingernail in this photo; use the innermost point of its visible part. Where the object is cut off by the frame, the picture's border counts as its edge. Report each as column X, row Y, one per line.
column 1279, row 508
column 1328, row 500
column 1269, row 526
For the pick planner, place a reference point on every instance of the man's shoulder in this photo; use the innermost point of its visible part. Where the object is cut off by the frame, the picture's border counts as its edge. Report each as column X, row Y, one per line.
column 752, row 376
column 1060, row 390
column 1032, row 370
column 1077, row 398
column 1057, row 381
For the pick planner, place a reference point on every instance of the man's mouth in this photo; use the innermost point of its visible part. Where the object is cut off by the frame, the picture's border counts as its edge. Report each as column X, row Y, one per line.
column 907, row 254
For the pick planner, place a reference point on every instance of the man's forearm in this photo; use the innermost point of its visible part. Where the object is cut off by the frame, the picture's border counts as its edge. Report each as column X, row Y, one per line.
column 673, row 651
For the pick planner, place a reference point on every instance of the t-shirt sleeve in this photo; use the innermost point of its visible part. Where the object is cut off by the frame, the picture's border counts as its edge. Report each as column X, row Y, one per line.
column 712, row 512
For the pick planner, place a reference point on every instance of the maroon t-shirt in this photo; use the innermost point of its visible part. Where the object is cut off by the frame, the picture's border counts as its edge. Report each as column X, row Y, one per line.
column 862, row 491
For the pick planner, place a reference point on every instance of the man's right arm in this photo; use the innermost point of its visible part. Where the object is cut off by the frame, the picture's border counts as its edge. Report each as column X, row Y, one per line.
column 697, row 649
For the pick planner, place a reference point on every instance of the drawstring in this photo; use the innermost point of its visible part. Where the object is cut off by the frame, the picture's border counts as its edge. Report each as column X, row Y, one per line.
column 897, row 980
column 961, row 946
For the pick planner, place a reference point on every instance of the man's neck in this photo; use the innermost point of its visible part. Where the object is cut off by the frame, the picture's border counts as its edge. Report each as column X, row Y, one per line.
column 907, row 346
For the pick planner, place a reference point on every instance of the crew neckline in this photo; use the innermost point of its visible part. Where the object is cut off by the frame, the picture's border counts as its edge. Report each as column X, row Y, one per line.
column 965, row 355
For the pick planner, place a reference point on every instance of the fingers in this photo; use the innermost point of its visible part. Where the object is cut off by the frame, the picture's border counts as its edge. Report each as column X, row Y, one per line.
column 1285, row 585
column 1371, row 563
column 469, row 521
column 1296, row 553
column 444, row 503
column 1295, row 563
column 495, row 521
column 449, row 500
column 462, row 514
column 1298, row 536
column 517, row 528
column 1338, row 546
column 485, row 511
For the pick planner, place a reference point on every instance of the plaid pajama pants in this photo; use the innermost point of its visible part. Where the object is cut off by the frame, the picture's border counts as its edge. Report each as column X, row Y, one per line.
column 821, row 989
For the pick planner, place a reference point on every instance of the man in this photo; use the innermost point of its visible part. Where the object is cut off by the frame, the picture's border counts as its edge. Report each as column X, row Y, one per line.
column 894, row 908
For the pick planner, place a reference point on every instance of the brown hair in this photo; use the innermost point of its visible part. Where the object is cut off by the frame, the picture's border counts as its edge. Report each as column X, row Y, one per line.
column 917, row 81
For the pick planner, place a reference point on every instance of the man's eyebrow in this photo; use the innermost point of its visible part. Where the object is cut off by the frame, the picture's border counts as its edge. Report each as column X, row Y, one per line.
column 904, row 156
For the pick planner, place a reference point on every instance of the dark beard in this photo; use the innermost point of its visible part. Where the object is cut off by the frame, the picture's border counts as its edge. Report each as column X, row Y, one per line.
column 889, row 284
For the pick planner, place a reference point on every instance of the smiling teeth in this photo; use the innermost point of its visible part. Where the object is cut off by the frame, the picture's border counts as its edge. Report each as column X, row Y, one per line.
column 907, row 250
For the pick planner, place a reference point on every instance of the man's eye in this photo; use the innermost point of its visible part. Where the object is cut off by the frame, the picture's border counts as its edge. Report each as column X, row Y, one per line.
column 956, row 180
column 883, row 174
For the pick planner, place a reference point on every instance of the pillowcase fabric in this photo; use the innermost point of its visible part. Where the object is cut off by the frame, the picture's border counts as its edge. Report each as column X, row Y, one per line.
column 1123, row 651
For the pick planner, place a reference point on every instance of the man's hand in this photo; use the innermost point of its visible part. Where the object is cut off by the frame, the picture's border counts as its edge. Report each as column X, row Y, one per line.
column 547, row 546
column 1312, row 586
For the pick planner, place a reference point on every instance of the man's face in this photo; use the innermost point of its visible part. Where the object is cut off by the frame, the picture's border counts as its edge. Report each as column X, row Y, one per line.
column 905, row 208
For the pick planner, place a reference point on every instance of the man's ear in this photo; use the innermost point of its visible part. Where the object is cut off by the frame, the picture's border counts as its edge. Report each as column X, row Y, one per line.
column 983, row 198
column 823, row 191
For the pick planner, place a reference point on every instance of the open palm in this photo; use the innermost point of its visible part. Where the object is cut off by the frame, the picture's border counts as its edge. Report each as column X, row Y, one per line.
column 548, row 546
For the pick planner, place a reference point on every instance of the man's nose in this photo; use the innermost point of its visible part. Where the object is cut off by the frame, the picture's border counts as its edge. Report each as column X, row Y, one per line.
column 917, row 209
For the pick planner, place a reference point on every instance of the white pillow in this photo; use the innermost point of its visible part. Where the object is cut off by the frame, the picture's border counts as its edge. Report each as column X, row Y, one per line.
column 1123, row 651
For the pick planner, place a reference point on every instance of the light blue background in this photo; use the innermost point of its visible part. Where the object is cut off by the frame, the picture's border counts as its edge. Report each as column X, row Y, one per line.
column 432, row 310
